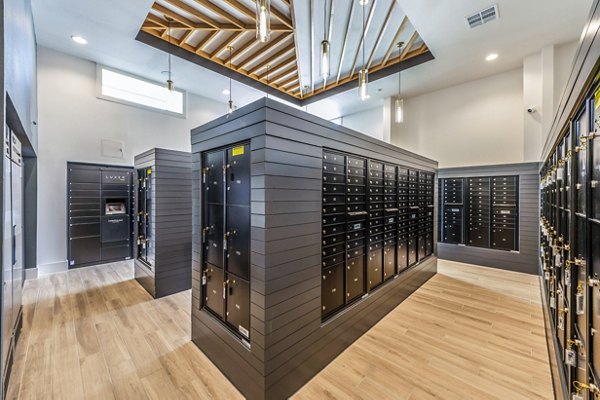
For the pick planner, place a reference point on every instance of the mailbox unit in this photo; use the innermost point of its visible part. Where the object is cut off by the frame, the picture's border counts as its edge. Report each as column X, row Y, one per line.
column 264, row 218
column 99, row 208
column 163, row 221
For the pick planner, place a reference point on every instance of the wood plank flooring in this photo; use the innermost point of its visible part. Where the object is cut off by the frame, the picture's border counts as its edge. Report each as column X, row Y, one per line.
column 468, row 333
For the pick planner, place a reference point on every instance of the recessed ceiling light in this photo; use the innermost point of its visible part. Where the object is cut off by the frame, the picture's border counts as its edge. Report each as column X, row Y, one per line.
column 491, row 57
column 225, row 92
column 78, row 39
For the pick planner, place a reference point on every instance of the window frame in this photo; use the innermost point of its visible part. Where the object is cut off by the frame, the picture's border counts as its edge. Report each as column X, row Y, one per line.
column 100, row 95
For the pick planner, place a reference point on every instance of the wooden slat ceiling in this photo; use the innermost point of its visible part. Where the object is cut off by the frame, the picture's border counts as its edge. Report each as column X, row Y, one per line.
column 208, row 28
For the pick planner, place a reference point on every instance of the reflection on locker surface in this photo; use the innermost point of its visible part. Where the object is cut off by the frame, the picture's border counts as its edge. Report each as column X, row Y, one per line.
column 226, row 236
column 12, row 259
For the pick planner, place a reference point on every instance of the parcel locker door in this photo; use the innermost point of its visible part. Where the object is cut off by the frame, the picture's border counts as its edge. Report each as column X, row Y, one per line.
column 595, row 296
column 213, row 235
column 422, row 247
column 238, row 175
column 238, row 305
column 374, row 266
column 389, row 261
column 332, row 288
column 355, row 278
column 214, row 290
column 428, row 244
column 238, row 241
column 402, row 255
column 412, row 251
column 595, row 184
column 212, row 177
column 579, row 274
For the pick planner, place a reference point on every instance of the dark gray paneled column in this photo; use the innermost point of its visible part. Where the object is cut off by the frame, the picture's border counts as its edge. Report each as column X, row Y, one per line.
column 526, row 258
column 170, row 222
column 288, row 342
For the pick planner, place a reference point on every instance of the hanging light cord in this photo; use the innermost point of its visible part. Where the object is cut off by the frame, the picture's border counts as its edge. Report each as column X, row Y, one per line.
column 363, row 41
column 230, row 48
column 399, row 69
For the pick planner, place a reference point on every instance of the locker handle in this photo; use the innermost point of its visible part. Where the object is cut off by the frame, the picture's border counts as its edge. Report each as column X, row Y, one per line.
column 225, row 283
column 14, row 245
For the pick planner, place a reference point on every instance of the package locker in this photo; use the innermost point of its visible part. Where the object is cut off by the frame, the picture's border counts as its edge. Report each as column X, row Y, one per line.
column 505, row 218
column 163, row 221
column 376, row 224
column 100, row 208
column 374, row 218
column 226, row 236
column 390, row 214
column 403, row 219
column 453, row 210
column 479, row 204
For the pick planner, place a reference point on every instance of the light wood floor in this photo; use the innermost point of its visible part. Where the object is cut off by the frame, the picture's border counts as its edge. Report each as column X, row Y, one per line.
column 468, row 333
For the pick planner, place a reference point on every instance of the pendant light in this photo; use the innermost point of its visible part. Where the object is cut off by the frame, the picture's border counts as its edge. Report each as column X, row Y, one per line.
column 399, row 104
column 230, row 103
column 263, row 20
column 363, row 75
column 169, row 80
column 325, row 47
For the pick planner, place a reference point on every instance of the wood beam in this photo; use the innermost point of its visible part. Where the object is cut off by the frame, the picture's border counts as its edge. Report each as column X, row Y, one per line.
column 281, row 17
column 200, row 46
column 242, row 9
column 218, row 10
column 226, row 44
column 173, row 15
column 288, row 81
column 345, row 46
column 185, row 37
column 408, row 45
column 261, row 51
column 362, row 37
column 394, row 42
column 271, row 59
column 381, row 32
column 242, row 49
column 279, row 66
column 195, row 12
column 285, row 73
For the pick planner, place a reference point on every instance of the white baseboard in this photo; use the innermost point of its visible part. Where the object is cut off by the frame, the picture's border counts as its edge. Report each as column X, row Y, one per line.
column 51, row 268
column 31, row 273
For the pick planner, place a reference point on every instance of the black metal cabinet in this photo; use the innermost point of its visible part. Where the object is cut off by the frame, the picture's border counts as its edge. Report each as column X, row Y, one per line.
column 226, row 235
column 100, row 208
column 480, row 212
column 377, row 220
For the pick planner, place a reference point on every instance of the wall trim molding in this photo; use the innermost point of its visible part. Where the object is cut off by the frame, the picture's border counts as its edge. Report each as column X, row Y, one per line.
column 52, row 268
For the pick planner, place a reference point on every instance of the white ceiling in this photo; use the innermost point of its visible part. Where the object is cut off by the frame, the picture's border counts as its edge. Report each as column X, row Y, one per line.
column 524, row 27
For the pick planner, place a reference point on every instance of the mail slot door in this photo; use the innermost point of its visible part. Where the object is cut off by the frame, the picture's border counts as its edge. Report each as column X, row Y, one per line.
column 402, row 255
column 238, row 305
column 355, row 281
column 212, row 177
column 214, row 295
column 238, row 241
column 332, row 288
column 389, row 261
column 213, row 235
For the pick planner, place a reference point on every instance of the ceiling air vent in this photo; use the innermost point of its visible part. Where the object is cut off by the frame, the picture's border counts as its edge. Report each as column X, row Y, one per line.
column 483, row 17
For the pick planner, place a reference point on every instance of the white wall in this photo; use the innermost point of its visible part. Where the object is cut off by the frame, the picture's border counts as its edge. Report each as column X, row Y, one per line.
column 475, row 123
column 72, row 122
column 370, row 122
